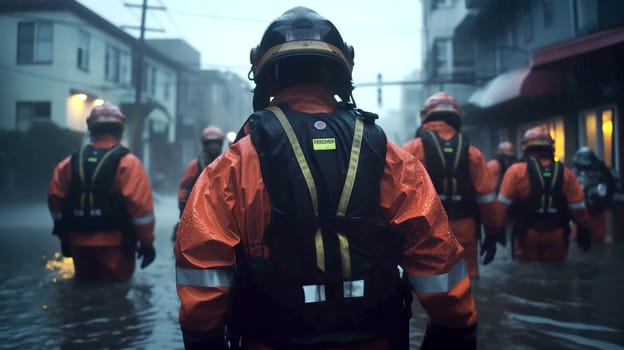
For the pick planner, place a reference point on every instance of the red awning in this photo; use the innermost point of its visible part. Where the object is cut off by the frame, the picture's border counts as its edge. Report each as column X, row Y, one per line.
column 577, row 46
column 520, row 82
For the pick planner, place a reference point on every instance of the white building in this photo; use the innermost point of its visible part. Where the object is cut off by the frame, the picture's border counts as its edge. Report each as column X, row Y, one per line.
column 59, row 59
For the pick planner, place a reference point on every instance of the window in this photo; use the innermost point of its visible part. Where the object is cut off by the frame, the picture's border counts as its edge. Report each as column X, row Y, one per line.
column 597, row 133
column 116, row 65
column 34, row 42
column 549, row 13
column 27, row 112
column 167, row 85
column 84, row 41
column 443, row 54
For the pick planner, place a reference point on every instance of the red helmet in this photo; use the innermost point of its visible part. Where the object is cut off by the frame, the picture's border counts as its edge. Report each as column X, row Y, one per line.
column 506, row 148
column 537, row 137
column 440, row 102
column 212, row 133
column 105, row 113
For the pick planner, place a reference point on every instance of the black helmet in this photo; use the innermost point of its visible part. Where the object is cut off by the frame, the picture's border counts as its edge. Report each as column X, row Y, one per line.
column 584, row 157
column 300, row 36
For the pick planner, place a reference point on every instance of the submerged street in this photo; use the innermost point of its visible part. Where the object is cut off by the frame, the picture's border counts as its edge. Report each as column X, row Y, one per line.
column 570, row 305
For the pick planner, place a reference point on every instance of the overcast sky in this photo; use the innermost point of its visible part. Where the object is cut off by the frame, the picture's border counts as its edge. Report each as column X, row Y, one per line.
column 386, row 35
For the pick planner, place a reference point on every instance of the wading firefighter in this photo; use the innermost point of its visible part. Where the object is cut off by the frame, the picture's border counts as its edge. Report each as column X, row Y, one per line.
column 544, row 195
column 505, row 157
column 460, row 175
column 101, row 202
column 212, row 143
column 298, row 236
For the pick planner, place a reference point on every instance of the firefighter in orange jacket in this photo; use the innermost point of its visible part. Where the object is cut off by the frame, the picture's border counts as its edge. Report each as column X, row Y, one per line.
column 212, row 143
column 101, row 202
column 460, row 175
column 505, row 157
column 544, row 195
column 294, row 236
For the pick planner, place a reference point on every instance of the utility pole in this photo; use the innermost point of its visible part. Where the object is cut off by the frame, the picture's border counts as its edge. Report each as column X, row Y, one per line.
column 136, row 122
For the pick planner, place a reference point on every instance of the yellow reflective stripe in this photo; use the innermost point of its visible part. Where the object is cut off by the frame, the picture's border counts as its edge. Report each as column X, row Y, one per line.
column 458, row 152
column 354, row 159
column 320, row 250
column 554, row 178
column 99, row 165
column 303, row 165
column 345, row 256
column 539, row 172
column 435, row 142
column 81, row 165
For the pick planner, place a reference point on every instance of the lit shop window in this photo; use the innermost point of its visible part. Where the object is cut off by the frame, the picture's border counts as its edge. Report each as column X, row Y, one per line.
column 597, row 133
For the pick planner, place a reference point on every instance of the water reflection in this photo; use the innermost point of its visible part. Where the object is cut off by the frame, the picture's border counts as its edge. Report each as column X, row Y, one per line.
column 571, row 305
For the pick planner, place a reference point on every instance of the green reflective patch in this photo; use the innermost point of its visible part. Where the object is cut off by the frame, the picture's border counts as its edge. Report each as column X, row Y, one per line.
column 447, row 149
column 324, row 144
column 92, row 159
column 547, row 174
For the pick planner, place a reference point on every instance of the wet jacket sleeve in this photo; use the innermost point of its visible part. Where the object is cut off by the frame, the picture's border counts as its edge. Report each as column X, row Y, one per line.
column 227, row 201
column 483, row 183
column 495, row 170
column 576, row 199
column 132, row 181
column 58, row 187
column 186, row 184
column 432, row 257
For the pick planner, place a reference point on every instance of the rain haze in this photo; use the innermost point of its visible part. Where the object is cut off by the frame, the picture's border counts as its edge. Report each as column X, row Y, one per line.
column 506, row 68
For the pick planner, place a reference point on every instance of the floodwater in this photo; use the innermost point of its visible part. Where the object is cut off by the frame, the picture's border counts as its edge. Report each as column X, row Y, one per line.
column 571, row 305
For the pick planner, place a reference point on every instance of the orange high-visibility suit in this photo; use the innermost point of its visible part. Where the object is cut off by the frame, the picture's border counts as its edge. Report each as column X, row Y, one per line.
column 105, row 255
column 229, row 205
column 496, row 170
column 466, row 229
column 533, row 244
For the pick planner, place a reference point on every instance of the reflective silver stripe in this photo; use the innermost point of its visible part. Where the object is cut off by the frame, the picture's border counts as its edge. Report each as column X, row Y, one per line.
column 486, row 198
column 576, row 205
column 314, row 293
column 353, row 289
column 439, row 283
column 56, row 215
column 144, row 220
column 204, row 278
column 504, row 199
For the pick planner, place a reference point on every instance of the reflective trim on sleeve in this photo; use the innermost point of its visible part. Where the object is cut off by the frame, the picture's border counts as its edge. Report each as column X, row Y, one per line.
column 576, row 205
column 504, row 199
column 147, row 219
column 439, row 283
column 353, row 289
column 204, row 278
column 56, row 215
column 486, row 198
column 314, row 293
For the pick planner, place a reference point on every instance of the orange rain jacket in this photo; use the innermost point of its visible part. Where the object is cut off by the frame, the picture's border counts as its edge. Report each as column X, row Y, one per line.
column 230, row 204
column 540, row 245
column 466, row 229
column 495, row 168
column 132, row 181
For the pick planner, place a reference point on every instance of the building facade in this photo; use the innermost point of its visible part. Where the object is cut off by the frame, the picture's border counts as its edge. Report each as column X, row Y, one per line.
column 532, row 62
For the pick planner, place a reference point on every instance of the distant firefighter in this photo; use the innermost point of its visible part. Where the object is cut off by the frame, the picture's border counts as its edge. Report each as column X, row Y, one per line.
column 505, row 157
column 212, row 139
column 460, row 175
column 542, row 195
column 101, row 202
column 599, row 186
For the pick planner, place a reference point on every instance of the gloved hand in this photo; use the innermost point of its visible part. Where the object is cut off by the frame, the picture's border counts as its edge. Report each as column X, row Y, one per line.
column 583, row 238
column 147, row 253
column 488, row 245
